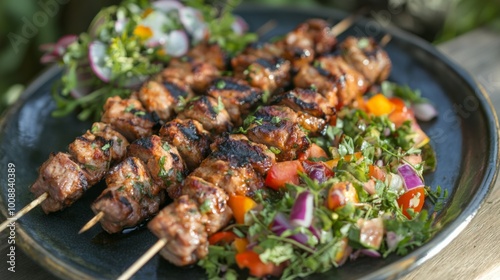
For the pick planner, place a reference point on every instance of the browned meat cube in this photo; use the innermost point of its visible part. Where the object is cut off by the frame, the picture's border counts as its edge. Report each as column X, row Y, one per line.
column 208, row 53
column 234, row 180
column 212, row 203
column 128, row 117
column 198, row 75
column 278, row 129
column 163, row 161
column 367, row 57
column 190, row 139
column 180, row 223
column 270, row 75
column 119, row 143
column 130, row 196
column 236, row 95
column 210, row 112
column 162, row 98
column 63, row 179
column 93, row 154
column 310, row 77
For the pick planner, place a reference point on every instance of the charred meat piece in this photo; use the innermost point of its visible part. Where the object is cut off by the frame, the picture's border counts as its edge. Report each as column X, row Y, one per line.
column 208, row 53
column 367, row 57
column 130, row 196
column 331, row 76
column 309, row 40
column 190, row 138
column 210, row 112
column 165, row 165
column 270, row 75
column 278, row 129
column 198, row 75
column 119, row 143
column 239, row 151
column 93, row 154
column 234, row 180
column 162, row 98
column 237, row 96
column 312, row 108
column 212, row 203
column 63, row 179
column 129, row 117
column 181, row 224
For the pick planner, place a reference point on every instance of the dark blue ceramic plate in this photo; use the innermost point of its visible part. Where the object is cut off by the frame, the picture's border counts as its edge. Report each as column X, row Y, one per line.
column 464, row 137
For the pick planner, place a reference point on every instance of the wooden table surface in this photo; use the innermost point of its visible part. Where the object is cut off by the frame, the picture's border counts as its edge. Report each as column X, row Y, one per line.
column 475, row 253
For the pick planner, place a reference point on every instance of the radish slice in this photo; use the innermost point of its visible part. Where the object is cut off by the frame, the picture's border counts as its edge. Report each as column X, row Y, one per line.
column 177, row 43
column 120, row 25
column 167, row 5
column 411, row 179
column 191, row 19
column 239, row 25
column 424, row 111
column 63, row 43
column 302, row 211
column 97, row 54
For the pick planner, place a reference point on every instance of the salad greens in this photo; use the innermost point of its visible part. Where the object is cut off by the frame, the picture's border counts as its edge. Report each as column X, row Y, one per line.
column 373, row 224
column 132, row 41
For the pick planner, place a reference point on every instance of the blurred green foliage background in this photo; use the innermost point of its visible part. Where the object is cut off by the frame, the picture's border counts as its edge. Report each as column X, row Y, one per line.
column 433, row 20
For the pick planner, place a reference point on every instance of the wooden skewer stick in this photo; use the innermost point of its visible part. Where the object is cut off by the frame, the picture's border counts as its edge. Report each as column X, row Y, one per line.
column 25, row 210
column 143, row 259
column 347, row 22
column 92, row 222
column 266, row 27
column 385, row 40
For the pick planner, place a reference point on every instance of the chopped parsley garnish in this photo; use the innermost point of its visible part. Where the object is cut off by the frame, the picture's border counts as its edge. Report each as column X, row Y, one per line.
column 220, row 105
column 106, row 147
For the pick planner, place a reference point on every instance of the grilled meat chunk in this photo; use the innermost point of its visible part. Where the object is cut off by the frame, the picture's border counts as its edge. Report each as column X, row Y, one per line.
column 119, row 143
column 309, row 40
column 197, row 75
column 239, row 151
column 338, row 82
column 208, row 53
column 190, row 138
column 236, row 95
column 129, row 117
column 130, row 196
column 162, row 98
column 165, row 165
column 181, row 224
column 93, row 154
column 210, row 112
column 63, row 179
column 270, row 75
column 312, row 108
column 277, row 128
column 367, row 57
column 212, row 203
column 234, row 180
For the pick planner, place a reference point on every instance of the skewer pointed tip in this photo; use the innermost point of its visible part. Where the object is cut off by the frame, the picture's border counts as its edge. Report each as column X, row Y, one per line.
column 92, row 222
column 143, row 259
column 23, row 211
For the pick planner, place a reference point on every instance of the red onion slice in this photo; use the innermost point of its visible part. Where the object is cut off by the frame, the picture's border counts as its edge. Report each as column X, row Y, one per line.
column 411, row 179
column 167, row 5
column 302, row 211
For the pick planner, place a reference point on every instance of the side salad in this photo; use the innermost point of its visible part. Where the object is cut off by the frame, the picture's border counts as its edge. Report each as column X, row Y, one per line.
column 128, row 43
column 359, row 193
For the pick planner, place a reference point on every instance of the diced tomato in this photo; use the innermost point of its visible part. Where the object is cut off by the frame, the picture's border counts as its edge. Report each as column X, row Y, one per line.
column 379, row 105
column 313, row 152
column 333, row 162
column 402, row 114
column 283, row 172
column 413, row 199
column 317, row 170
column 256, row 267
column 340, row 194
column 240, row 244
column 376, row 172
column 222, row 237
column 240, row 205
